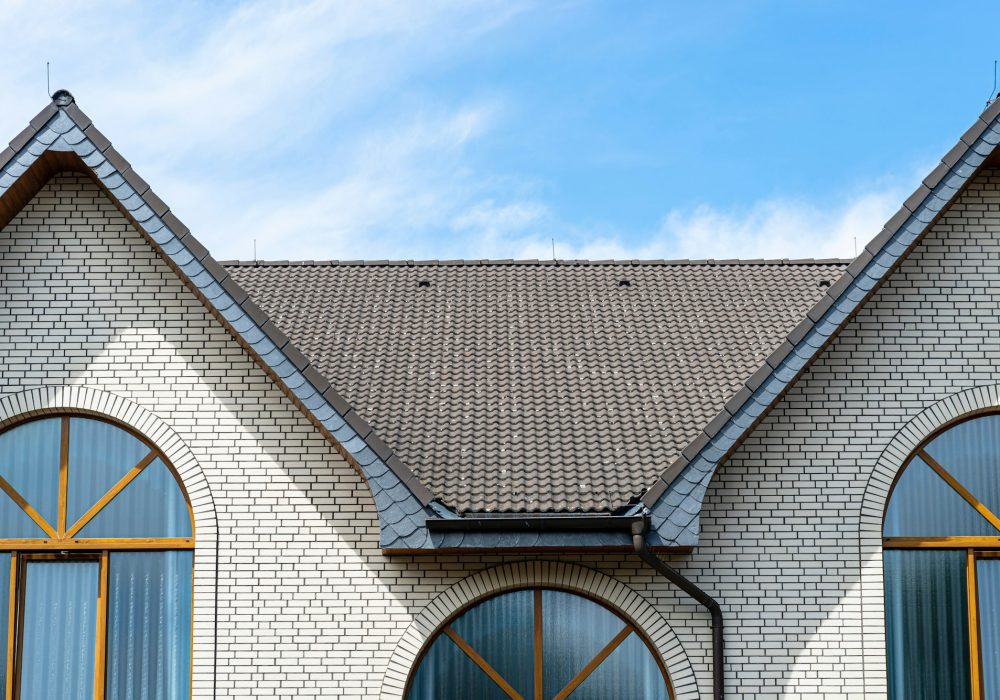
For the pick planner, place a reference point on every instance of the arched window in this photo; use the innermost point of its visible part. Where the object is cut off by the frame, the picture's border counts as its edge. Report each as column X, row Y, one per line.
column 942, row 567
column 96, row 564
column 538, row 644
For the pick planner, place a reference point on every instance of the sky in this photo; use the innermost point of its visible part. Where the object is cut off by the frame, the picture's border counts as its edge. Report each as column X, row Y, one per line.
column 504, row 129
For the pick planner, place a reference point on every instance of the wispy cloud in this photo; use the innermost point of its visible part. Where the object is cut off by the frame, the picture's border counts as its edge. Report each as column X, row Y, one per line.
column 302, row 126
column 776, row 228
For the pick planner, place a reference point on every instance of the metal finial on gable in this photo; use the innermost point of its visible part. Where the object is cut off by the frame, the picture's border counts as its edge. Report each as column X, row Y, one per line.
column 63, row 98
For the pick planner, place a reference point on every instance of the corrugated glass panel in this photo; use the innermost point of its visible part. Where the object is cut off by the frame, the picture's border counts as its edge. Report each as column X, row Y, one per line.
column 446, row 673
column 500, row 629
column 149, row 625
column 970, row 451
column 60, row 628
column 630, row 673
column 927, row 624
column 15, row 523
column 574, row 629
column 988, row 589
column 29, row 461
column 924, row 505
column 151, row 506
column 99, row 455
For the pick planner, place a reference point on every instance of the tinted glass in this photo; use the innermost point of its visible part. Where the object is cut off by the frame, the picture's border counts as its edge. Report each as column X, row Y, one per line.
column 60, row 630
column 99, row 455
column 922, row 504
column 927, row 624
column 574, row 630
column 29, row 462
column 500, row 630
column 630, row 673
column 151, row 506
column 988, row 589
column 149, row 625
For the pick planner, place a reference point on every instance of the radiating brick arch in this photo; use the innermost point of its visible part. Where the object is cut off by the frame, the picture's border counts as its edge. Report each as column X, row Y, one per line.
column 534, row 574
column 964, row 404
column 84, row 400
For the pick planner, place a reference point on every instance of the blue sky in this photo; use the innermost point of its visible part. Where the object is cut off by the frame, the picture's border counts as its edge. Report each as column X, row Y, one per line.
column 486, row 129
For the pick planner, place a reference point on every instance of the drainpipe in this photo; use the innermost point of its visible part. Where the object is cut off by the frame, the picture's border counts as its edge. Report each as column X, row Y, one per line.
column 635, row 523
column 676, row 578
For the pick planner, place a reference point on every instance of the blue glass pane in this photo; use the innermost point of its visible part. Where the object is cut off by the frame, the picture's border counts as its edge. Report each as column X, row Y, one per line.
column 29, row 461
column 149, row 625
column 574, row 629
column 630, row 673
column 924, row 505
column 446, row 673
column 988, row 588
column 60, row 630
column 99, row 455
column 970, row 451
column 926, row 619
column 151, row 506
column 501, row 630
column 15, row 523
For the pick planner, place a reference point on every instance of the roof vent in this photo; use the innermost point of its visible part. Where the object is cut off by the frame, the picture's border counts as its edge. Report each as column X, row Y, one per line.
column 624, row 283
column 424, row 284
column 824, row 283
column 63, row 98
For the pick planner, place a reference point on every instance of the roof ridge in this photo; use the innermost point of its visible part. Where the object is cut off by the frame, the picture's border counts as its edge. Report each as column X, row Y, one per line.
column 706, row 262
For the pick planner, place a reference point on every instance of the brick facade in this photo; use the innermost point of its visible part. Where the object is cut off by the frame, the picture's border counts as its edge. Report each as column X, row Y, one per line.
column 307, row 605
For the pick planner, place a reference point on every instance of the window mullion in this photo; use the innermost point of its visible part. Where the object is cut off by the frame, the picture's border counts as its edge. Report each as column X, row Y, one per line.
column 100, row 654
column 63, row 478
column 975, row 660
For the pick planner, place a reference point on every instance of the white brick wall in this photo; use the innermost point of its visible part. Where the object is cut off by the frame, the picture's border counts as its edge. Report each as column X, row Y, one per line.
column 309, row 607
column 782, row 527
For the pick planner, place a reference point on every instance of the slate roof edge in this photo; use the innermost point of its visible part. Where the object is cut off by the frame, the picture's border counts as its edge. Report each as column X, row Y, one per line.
column 402, row 500
column 734, row 262
column 675, row 498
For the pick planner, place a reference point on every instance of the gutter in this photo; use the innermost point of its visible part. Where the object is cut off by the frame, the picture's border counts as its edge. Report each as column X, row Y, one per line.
column 637, row 525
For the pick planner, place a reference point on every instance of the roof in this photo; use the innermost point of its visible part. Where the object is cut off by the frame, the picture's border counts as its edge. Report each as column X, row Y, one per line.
column 61, row 137
column 675, row 499
column 537, row 386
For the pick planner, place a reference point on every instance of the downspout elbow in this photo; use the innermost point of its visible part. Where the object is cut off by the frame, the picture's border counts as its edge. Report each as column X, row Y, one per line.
column 709, row 603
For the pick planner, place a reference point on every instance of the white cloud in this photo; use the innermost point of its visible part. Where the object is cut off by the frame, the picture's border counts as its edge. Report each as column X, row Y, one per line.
column 255, row 122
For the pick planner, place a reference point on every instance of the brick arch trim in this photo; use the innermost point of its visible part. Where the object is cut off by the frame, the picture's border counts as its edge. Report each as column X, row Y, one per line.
column 85, row 400
column 531, row 574
column 971, row 402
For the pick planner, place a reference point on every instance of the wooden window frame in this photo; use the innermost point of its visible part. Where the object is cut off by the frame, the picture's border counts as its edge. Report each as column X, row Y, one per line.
column 976, row 548
column 62, row 545
column 629, row 628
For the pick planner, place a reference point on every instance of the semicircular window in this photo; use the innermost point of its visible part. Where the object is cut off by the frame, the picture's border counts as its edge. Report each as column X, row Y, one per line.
column 538, row 644
column 78, row 479
column 941, row 557
column 96, row 564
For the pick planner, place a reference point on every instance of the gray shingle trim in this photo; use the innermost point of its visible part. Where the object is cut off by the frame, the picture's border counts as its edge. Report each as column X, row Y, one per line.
column 401, row 500
column 675, row 510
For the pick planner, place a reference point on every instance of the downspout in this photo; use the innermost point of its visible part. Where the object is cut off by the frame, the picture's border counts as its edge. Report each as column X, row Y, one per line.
column 678, row 579
column 635, row 523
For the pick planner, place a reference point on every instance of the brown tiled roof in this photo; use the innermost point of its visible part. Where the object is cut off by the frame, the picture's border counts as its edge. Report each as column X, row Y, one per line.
column 537, row 386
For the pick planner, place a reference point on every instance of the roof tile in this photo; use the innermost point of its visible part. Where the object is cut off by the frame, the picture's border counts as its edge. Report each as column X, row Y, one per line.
column 540, row 386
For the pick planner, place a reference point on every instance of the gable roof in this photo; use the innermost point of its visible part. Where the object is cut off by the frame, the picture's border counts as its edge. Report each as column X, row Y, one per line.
column 537, row 386
column 675, row 499
column 61, row 137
